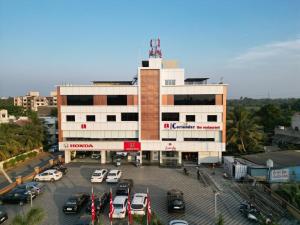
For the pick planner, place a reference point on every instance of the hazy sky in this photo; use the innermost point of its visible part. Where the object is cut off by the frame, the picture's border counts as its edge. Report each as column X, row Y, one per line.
column 253, row 45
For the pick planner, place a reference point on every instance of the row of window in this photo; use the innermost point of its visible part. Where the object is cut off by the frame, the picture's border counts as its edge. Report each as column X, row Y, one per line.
column 188, row 118
column 135, row 117
column 109, row 118
column 122, row 99
column 189, row 139
column 136, row 139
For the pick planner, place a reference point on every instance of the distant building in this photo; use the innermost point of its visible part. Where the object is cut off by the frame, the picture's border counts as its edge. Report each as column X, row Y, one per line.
column 33, row 100
column 285, row 136
column 51, row 126
column 3, row 116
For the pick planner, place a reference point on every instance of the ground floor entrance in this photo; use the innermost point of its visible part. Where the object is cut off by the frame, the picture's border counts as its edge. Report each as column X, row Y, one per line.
column 189, row 157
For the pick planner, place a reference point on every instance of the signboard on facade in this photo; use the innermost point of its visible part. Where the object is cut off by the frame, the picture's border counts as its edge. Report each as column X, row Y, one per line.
column 132, row 146
column 279, row 175
column 78, row 146
column 186, row 126
column 170, row 147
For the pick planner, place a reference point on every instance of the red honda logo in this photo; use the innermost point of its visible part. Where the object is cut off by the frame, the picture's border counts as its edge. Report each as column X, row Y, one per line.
column 83, row 126
column 166, row 125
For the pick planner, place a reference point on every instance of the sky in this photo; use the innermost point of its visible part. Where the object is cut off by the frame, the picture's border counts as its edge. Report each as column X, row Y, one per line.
column 252, row 45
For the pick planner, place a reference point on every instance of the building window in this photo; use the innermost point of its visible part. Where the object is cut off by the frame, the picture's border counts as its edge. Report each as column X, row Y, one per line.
column 194, row 100
column 90, row 118
column 70, row 118
column 168, row 139
column 117, row 100
column 80, row 100
column 170, row 116
column 170, row 82
column 212, row 118
column 190, row 118
column 199, row 139
column 111, row 118
column 129, row 116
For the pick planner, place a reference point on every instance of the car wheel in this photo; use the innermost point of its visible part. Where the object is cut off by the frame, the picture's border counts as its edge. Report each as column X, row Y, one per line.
column 37, row 179
column 52, row 179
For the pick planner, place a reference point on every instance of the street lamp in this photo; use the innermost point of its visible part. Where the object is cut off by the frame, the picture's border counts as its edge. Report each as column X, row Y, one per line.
column 216, row 194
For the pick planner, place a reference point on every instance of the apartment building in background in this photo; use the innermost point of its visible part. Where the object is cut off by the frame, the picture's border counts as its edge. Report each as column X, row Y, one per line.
column 158, row 118
column 33, row 100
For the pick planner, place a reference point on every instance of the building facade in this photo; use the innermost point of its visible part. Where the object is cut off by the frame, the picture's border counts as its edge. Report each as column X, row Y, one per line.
column 33, row 100
column 160, row 117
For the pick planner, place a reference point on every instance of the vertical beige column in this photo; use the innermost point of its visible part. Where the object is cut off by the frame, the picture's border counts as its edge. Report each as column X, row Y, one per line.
column 199, row 159
column 160, row 157
column 67, row 156
column 103, row 157
column 179, row 158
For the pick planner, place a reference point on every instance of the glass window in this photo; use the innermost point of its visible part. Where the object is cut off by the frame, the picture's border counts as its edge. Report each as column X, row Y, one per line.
column 170, row 116
column 194, row 99
column 190, row 118
column 117, row 100
column 80, row 100
column 70, row 118
column 170, row 82
column 129, row 116
column 212, row 118
column 90, row 118
column 111, row 117
column 199, row 139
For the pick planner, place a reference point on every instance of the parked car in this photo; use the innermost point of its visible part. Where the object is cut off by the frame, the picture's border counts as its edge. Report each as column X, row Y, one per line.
column 53, row 149
column 34, row 187
column 85, row 220
column 20, row 196
column 175, row 201
column 178, row 222
column 99, row 175
column 60, row 168
column 139, row 204
column 96, row 156
column 120, row 206
column 48, row 175
column 3, row 216
column 124, row 186
column 75, row 203
column 113, row 176
column 100, row 203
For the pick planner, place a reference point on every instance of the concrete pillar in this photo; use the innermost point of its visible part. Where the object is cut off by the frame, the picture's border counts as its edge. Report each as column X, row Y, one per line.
column 199, row 158
column 37, row 169
column 19, row 180
column 179, row 158
column 220, row 156
column 160, row 157
column 108, row 156
column 67, row 156
column 139, row 157
column 103, row 157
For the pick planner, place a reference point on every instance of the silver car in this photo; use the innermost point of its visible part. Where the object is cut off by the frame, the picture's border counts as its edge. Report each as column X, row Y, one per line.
column 178, row 222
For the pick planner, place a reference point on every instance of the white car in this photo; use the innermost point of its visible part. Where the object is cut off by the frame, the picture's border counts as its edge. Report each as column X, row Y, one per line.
column 48, row 175
column 138, row 204
column 113, row 176
column 178, row 222
column 99, row 175
column 120, row 206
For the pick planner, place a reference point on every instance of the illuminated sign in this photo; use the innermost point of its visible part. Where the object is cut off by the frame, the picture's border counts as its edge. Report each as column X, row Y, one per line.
column 170, row 147
column 176, row 126
column 132, row 146
column 78, row 145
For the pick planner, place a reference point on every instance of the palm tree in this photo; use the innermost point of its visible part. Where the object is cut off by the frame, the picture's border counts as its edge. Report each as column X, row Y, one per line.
column 34, row 217
column 243, row 132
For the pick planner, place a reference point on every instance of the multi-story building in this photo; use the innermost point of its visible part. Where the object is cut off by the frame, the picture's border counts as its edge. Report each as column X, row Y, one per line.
column 160, row 117
column 50, row 123
column 33, row 100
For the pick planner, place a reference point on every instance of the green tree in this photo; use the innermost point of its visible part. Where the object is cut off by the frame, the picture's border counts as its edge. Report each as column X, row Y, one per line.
column 34, row 217
column 220, row 220
column 243, row 132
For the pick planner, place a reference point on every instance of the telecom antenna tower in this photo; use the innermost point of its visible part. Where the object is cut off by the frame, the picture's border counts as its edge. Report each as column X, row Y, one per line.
column 155, row 51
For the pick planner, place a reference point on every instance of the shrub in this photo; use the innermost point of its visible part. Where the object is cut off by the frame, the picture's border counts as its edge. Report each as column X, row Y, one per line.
column 32, row 154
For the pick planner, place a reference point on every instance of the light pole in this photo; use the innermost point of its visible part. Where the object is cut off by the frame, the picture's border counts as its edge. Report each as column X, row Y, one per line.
column 216, row 194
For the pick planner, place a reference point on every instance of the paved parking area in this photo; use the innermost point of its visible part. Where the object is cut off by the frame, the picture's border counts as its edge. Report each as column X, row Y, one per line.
column 199, row 199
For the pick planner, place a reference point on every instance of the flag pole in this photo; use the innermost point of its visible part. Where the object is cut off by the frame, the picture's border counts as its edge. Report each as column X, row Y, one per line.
column 147, row 205
column 109, row 207
column 92, row 206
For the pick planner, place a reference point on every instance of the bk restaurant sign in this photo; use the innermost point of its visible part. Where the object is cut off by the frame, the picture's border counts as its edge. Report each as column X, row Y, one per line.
column 186, row 126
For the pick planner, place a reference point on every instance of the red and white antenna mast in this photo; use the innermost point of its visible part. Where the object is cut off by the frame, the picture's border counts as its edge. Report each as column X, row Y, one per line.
column 155, row 51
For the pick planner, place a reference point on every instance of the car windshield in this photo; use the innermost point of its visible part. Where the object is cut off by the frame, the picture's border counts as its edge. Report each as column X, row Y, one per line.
column 71, row 201
column 177, row 202
column 137, row 206
column 56, row 172
column 118, row 206
column 112, row 174
column 96, row 174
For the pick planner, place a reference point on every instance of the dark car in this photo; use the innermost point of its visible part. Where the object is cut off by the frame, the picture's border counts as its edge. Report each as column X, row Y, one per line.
column 124, row 186
column 85, row 220
column 3, row 216
column 60, row 168
column 34, row 187
column 175, row 201
column 100, row 203
column 17, row 196
column 75, row 203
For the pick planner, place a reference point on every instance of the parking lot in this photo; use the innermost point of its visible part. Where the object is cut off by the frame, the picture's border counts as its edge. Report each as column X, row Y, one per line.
column 199, row 199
